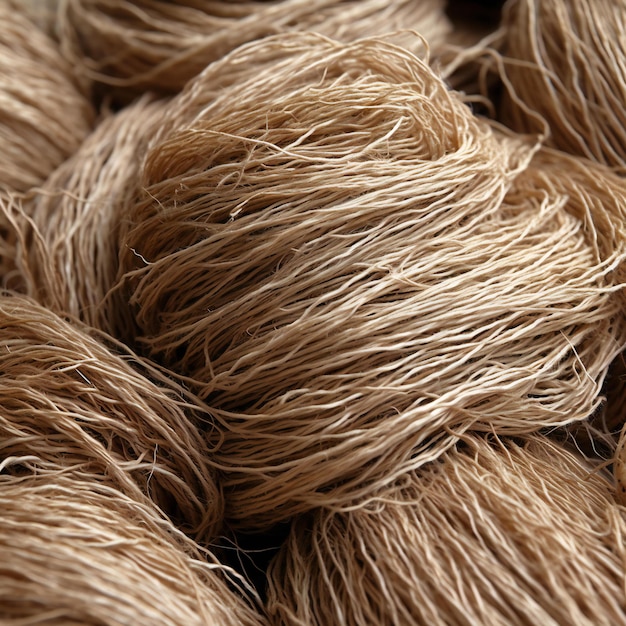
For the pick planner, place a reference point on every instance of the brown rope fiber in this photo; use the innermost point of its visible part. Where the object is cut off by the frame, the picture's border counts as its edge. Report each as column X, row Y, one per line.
column 43, row 114
column 354, row 270
column 75, row 552
column 68, row 230
column 312, row 295
column 567, row 62
column 495, row 533
column 40, row 12
column 68, row 403
column 158, row 45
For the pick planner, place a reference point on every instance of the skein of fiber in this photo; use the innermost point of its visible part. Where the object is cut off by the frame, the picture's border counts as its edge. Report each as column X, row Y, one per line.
column 8, row 242
column 353, row 270
column 70, row 404
column 43, row 113
column 78, row 553
column 596, row 196
column 157, row 45
column 493, row 533
column 68, row 230
column 568, row 64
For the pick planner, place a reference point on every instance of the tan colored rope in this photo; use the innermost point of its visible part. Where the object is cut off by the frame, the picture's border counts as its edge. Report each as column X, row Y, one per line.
column 153, row 44
column 75, row 552
column 567, row 62
column 68, row 403
column 44, row 115
column 495, row 533
column 355, row 270
column 69, row 229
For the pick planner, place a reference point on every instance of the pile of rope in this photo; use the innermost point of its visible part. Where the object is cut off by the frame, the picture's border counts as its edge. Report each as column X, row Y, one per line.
column 265, row 274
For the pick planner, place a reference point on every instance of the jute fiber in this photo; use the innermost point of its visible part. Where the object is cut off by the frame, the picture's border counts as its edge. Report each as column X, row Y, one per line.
column 491, row 533
column 10, row 232
column 40, row 12
column 44, row 115
column 69, row 403
column 597, row 197
column 568, row 64
column 158, row 45
column 353, row 270
column 74, row 552
column 68, row 230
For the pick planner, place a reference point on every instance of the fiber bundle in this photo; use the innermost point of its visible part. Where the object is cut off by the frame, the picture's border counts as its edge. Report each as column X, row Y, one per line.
column 78, row 553
column 43, row 113
column 492, row 533
column 9, row 235
column 69, row 229
column 353, row 271
column 158, row 45
column 40, row 12
column 70, row 404
column 568, row 64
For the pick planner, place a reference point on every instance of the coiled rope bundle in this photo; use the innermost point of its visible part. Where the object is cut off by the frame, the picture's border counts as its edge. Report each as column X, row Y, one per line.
column 70, row 404
column 353, row 271
column 68, row 231
column 492, row 533
column 567, row 63
column 75, row 552
column 157, row 45
column 44, row 115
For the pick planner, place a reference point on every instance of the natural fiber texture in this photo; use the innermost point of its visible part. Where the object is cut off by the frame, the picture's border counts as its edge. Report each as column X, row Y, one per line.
column 69, row 403
column 43, row 114
column 596, row 196
column 472, row 66
column 68, row 253
column 461, row 58
column 78, row 553
column 568, row 63
column 9, row 235
column 40, row 12
column 492, row 534
column 158, row 45
column 332, row 251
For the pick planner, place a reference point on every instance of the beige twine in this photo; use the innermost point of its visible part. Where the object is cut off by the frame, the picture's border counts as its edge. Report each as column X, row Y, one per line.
column 9, row 236
column 568, row 63
column 43, row 115
column 69, row 403
column 492, row 534
column 355, row 271
column 75, row 552
column 152, row 44
column 41, row 12
column 596, row 196
column 66, row 233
